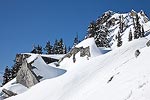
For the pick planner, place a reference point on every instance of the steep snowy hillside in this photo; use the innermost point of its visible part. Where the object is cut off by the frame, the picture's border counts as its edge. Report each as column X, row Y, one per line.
column 116, row 75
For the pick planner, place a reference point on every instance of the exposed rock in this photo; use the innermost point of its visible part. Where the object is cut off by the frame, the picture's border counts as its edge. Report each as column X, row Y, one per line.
column 25, row 76
column 49, row 60
column 148, row 43
column 85, row 52
column 8, row 93
column 137, row 53
column 133, row 13
column 75, row 50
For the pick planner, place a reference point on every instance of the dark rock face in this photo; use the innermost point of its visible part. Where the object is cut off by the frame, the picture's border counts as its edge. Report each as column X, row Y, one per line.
column 148, row 43
column 25, row 76
column 8, row 93
column 137, row 53
column 49, row 60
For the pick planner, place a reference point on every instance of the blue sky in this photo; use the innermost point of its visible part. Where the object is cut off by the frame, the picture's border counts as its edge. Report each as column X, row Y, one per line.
column 27, row 22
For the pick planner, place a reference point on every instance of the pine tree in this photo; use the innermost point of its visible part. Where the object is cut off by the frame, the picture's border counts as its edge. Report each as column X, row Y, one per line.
column 15, row 69
column 121, row 24
column 76, row 40
column 6, row 77
column 34, row 50
column 55, row 47
column 69, row 48
column 39, row 49
column 101, row 39
column 60, row 46
column 48, row 48
column 91, row 30
column 65, row 50
column 119, row 40
column 130, row 36
column 142, row 32
column 137, row 32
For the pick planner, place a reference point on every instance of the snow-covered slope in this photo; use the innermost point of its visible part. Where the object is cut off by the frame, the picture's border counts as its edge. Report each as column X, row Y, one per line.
column 116, row 75
column 14, row 87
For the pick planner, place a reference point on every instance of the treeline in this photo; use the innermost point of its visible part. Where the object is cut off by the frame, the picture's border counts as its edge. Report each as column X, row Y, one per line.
column 58, row 47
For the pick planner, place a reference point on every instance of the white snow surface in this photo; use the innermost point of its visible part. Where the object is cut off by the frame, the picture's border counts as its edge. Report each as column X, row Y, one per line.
column 116, row 75
column 14, row 87
column 44, row 70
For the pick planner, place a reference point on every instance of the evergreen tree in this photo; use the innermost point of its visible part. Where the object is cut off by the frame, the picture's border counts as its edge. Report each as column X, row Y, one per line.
column 65, row 50
column 142, row 32
column 60, row 46
column 119, row 40
column 34, row 50
column 91, row 30
column 130, row 36
column 137, row 32
column 76, row 40
column 6, row 77
column 55, row 47
column 48, row 48
column 39, row 49
column 15, row 69
column 121, row 24
column 101, row 39
column 69, row 48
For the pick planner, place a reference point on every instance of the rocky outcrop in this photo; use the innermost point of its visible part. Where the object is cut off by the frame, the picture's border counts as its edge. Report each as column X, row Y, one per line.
column 8, row 93
column 25, row 76
column 83, row 52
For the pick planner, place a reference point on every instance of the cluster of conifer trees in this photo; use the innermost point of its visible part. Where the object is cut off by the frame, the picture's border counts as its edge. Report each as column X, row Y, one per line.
column 100, row 31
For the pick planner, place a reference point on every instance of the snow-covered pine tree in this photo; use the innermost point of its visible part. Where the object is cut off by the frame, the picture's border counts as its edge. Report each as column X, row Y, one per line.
column 101, row 40
column 130, row 35
column 137, row 32
column 119, row 40
column 48, row 48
